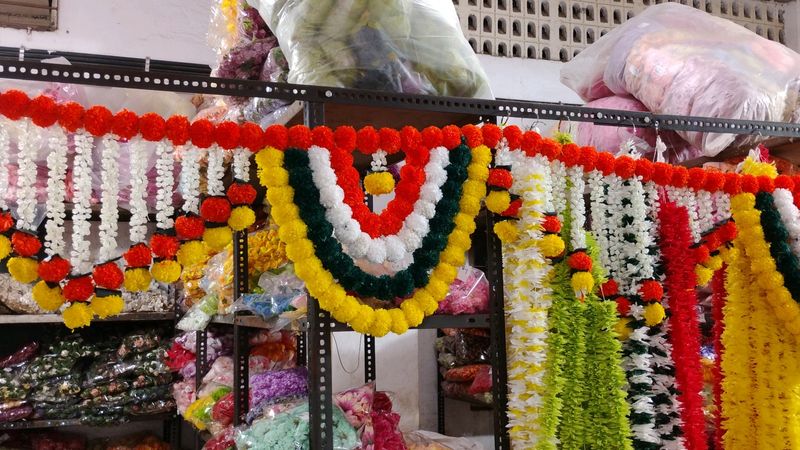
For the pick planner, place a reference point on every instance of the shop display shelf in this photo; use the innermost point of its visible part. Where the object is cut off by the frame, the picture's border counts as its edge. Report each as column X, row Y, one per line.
column 11, row 319
column 431, row 322
column 35, row 424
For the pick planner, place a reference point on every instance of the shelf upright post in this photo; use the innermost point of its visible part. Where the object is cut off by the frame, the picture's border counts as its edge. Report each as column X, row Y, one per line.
column 370, row 373
column 241, row 353
column 320, row 383
column 494, row 274
column 201, row 364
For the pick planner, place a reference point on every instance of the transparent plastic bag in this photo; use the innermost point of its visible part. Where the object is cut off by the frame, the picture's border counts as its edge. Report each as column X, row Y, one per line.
column 290, row 429
column 678, row 60
column 157, row 406
column 224, row 440
column 274, row 386
column 45, row 411
column 21, row 356
column 469, row 293
column 14, row 414
column 410, row 46
column 482, row 382
column 199, row 315
column 138, row 343
column 57, row 390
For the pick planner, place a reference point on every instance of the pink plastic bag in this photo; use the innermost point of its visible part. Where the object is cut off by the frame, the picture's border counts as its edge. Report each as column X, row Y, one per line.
column 682, row 61
column 469, row 293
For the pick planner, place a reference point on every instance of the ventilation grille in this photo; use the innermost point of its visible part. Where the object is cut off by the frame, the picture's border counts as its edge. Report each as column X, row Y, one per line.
column 557, row 30
column 39, row 15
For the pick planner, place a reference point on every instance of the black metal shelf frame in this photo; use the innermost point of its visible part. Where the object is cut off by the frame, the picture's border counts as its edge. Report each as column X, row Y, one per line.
column 315, row 347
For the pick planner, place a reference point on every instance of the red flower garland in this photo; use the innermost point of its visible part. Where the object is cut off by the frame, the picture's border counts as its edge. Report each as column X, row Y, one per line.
column 54, row 270
column 138, row 256
column 189, row 227
column 78, row 289
column 675, row 240
column 227, row 135
column 108, row 276
column 14, row 104
column 177, row 130
column 215, row 209
column 164, row 246
column 70, row 116
column 25, row 244
column 125, row 124
column 251, row 137
column 241, row 193
column 43, row 111
column 201, row 133
column 97, row 120
column 6, row 221
column 152, row 127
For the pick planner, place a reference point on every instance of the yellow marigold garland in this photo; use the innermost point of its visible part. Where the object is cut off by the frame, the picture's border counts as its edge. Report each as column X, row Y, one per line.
column 321, row 284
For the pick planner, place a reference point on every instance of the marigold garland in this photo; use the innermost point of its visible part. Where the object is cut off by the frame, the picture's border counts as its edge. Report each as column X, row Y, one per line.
column 331, row 296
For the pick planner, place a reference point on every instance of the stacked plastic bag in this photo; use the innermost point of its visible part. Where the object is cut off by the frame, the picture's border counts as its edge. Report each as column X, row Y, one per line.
column 678, row 60
column 464, row 363
column 105, row 382
column 410, row 46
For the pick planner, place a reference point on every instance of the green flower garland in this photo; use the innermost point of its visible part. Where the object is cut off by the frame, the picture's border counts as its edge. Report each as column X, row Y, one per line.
column 606, row 407
column 777, row 236
column 341, row 266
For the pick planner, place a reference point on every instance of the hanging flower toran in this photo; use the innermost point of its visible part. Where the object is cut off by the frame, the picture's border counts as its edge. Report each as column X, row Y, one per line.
column 319, row 257
column 138, row 257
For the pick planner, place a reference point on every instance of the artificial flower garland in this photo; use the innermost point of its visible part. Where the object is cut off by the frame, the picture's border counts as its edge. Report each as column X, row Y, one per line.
column 684, row 335
column 396, row 249
column 789, row 215
column 342, row 267
column 320, row 282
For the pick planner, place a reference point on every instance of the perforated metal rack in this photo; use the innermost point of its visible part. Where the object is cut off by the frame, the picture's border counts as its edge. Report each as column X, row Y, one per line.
column 315, row 348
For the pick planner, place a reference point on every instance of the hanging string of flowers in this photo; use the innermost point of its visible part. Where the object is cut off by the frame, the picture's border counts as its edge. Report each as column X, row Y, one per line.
column 215, row 208
column 138, row 257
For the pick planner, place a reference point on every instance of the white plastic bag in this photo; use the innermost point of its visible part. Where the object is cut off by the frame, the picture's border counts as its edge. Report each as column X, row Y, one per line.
column 678, row 60
column 410, row 46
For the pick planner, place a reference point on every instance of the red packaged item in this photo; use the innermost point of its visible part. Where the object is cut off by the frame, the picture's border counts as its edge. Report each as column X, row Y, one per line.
column 57, row 441
column 222, row 412
column 222, row 441
column 464, row 373
column 482, row 382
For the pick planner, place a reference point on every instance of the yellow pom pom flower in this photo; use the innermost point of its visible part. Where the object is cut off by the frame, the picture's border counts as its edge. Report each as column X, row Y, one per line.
column 445, row 272
column 192, row 253
column 551, row 245
column 217, row 238
column 241, row 218
column 399, row 323
column 380, row 326
column 293, row 231
column 582, row 283
column 473, row 188
column 48, row 298
column 23, row 270
column 347, row 310
column 77, row 315
column 622, row 328
column 379, row 183
column 110, row 305
column 362, row 322
column 300, row 249
column 453, row 256
column 280, row 195
column 654, row 314
column 704, row 275
column 274, row 176
column 285, row 213
column 137, row 280
column 438, row 289
column 470, row 205
column 478, row 172
column 506, row 231
column 5, row 247
column 166, row 271
column 498, row 201
column 714, row 263
column 465, row 223
column 481, row 156
column 413, row 313
column 459, row 239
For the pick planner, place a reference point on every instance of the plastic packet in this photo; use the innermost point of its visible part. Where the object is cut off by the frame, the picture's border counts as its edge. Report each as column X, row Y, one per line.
column 199, row 412
column 222, row 412
column 11, row 388
column 681, row 61
column 184, row 394
column 220, row 372
column 199, row 315
column 265, row 305
column 104, row 415
column 385, row 425
column 461, row 391
column 356, row 403
column 468, row 294
column 410, row 46
column 57, row 390
column 471, row 349
column 464, row 373
column 46, row 366
column 111, row 388
column 49, row 411
column 273, row 408
column 14, row 414
column 138, row 441
column 482, row 382
column 428, row 440
column 11, row 404
column 224, row 440
column 159, row 406
column 23, row 355
column 273, row 386
column 290, row 429
column 138, row 343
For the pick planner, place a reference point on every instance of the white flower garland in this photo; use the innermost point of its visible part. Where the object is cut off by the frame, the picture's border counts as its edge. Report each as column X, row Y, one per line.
column 215, row 170
column 109, row 213
column 397, row 249
column 5, row 146
column 165, row 182
column 663, row 379
column 189, row 184
column 138, row 223
column 790, row 216
column 722, row 207
column 527, row 301
column 56, row 193
column 577, row 208
column 705, row 211
column 378, row 163
column 597, row 204
column 687, row 198
column 241, row 164
column 558, row 178
column 28, row 147
column 614, row 243
column 81, row 200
